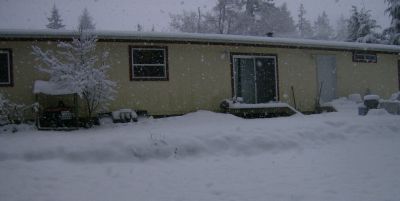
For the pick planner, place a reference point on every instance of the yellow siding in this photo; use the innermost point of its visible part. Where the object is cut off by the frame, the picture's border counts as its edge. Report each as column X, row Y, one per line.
column 200, row 76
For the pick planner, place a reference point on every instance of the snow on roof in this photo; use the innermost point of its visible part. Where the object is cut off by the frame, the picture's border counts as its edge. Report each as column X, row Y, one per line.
column 49, row 88
column 203, row 38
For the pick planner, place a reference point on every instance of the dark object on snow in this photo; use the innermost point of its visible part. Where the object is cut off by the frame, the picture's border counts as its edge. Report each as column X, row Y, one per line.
column 61, row 118
column 371, row 103
column 322, row 109
column 392, row 107
column 362, row 110
column 142, row 113
column 224, row 105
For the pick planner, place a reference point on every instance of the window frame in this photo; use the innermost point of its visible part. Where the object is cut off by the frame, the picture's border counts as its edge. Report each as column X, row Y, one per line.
column 152, row 78
column 365, row 54
column 10, row 82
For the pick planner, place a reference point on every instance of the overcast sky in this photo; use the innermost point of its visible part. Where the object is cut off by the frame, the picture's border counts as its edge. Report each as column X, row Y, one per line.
column 126, row 14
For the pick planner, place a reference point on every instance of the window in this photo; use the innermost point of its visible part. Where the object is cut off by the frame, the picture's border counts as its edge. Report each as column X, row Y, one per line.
column 365, row 57
column 5, row 68
column 398, row 72
column 149, row 63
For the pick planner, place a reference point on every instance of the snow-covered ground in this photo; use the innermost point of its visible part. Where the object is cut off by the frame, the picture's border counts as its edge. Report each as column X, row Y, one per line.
column 209, row 156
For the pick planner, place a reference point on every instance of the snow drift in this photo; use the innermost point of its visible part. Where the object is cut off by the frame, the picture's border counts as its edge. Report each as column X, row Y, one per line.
column 195, row 134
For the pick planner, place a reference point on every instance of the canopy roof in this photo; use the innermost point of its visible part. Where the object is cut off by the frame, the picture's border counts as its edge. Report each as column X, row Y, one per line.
column 50, row 88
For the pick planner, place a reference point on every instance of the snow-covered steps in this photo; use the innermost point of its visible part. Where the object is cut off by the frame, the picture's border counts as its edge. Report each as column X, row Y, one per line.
column 262, row 110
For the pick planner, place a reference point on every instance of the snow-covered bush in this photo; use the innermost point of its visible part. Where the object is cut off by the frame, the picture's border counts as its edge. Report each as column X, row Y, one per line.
column 76, row 67
column 10, row 112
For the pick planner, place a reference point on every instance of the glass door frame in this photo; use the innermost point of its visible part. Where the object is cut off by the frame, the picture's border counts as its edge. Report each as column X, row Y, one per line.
column 254, row 57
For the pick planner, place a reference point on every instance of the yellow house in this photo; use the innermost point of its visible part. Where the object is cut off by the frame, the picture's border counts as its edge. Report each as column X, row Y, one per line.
column 168, row 74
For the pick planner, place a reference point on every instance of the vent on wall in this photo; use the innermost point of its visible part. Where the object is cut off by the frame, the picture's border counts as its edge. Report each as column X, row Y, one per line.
column 365, row 57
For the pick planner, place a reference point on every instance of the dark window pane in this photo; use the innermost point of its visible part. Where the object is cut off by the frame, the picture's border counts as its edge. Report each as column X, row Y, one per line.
column 148, row 71
column 371, row 58
column 141, row 56
column 359, row 57
column 365, row 57
column 4, row 69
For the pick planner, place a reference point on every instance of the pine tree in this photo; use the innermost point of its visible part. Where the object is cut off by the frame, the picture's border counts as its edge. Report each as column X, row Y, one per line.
column 284, row 23
column 361, row 27
column 55, row 21
column 341, row 29
column 303, row 25
column 139, row 27
column 393, row 31
column 353, row 25
column 322, row 28
column 85, row 21
column 75, row 66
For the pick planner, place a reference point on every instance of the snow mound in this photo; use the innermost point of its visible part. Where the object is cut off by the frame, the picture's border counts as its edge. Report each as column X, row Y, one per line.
column 196, row 134
column 377, row 112
column 14, row 128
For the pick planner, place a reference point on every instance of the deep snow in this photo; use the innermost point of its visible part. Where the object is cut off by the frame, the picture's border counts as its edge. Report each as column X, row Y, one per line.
column 210, row 156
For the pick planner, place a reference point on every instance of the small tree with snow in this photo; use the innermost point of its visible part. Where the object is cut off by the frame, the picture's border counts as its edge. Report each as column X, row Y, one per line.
column 361, row 27
column 5, row 109
column 10, row 112
column 76, row 67
column 55, row 21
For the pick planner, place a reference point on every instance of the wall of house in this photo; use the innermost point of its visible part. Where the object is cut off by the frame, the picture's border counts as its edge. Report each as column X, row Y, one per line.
column 200, row 76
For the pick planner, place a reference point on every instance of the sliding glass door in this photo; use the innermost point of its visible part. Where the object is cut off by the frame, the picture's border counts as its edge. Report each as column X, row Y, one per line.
column 255, row 78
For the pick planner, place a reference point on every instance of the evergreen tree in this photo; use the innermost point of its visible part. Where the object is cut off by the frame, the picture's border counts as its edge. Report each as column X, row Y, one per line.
column 353, row 25
column 322, row 28
column 303, row 25
column 139, row 27
column 341, row 29
column 86, row 21
column 55, row 21
column 284, row 23
column 393, row 31
column 361, row 27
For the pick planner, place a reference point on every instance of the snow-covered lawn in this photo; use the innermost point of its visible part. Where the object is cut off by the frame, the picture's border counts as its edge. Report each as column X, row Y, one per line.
column 209, row 156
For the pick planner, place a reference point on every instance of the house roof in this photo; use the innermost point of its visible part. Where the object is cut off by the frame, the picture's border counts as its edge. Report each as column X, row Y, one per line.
column 218, row 39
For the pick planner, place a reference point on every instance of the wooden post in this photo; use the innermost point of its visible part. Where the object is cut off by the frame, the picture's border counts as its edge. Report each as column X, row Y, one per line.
column 76, row 110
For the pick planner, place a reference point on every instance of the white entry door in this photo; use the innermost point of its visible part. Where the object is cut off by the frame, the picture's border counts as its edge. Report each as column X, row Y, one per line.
column 326, row 77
